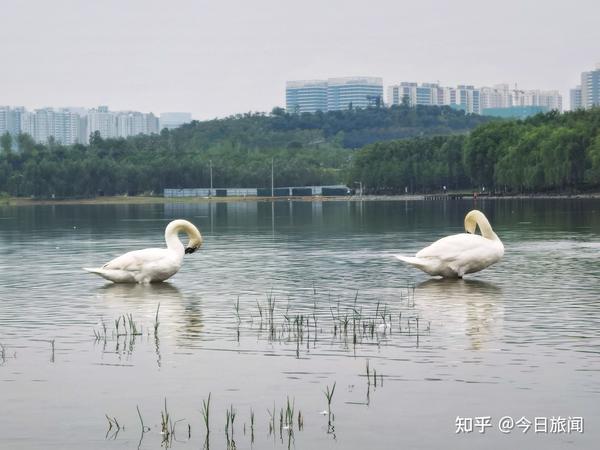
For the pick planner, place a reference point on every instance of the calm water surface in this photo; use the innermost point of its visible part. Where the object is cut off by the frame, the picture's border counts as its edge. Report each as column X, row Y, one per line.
column 519, row 339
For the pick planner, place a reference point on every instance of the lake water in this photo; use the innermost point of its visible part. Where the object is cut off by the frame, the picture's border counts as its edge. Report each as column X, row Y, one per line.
column 520, row 339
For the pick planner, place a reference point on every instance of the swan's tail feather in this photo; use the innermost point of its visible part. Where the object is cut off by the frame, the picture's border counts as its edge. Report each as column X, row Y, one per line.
column 114, row 275
column 413, row 260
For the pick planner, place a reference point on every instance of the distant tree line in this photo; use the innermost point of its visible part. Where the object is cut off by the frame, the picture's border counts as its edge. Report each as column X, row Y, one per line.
column 547, row 152
column 307, row 149
column 550, row 151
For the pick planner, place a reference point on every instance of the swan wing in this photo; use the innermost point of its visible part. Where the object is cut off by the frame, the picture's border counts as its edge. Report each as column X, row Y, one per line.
column 453, row 247
column 461, row 253
column 136, row 260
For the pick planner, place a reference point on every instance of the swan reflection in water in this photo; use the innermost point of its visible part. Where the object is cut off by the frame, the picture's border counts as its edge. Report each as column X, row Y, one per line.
column 179, row 314
column 471, row 308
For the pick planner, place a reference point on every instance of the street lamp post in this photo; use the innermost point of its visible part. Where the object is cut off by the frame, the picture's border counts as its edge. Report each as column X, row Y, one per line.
column 272, row 176
column 360, row 187
column 211, row 180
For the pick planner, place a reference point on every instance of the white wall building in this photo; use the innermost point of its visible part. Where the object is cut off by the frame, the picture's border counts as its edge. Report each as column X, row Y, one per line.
column 472, row 99
column 74, row 125
column 132, row 123
column 103, row 121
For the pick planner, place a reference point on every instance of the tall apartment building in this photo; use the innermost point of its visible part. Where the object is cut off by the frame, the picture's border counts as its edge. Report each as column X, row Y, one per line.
column 462, row 97
column 102, row 120
column 415, row 94
column 10, row 120
column 590, row 88
column 575, row 98
column 333, row 94
column 548, row 100
column 74, row 125
column 172, row 120
column 404, row 92
column 468, row 99
column 132, row 123
column 484, row 100
column 42, row 124
column 498, row 96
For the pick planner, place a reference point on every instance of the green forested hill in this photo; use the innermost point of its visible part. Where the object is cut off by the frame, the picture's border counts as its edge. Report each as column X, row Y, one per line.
column 307, row 149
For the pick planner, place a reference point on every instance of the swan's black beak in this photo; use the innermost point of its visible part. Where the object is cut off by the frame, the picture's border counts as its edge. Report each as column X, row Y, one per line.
column 189, row 250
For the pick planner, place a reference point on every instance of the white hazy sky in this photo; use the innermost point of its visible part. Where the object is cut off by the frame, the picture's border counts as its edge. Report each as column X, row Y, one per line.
column 215, row 58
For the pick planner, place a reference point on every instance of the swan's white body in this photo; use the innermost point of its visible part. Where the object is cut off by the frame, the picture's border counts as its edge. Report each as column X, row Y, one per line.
column 152, row 264
column 457, row 255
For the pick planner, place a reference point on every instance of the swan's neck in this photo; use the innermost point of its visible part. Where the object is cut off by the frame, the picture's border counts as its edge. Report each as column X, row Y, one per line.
column 477, row 219
column 172, row 238
column 486, row 229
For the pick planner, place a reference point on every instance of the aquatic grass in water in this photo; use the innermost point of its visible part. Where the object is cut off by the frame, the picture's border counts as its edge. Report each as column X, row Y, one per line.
column 345, row 323
column 229, row 427
column 167, row 427
column 206, row 414
column 330, row 417
column 329, row 396
column 113, row 423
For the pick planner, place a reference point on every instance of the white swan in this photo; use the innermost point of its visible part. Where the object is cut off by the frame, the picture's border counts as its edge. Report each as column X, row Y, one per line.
column 152, row 264
column 459, row 254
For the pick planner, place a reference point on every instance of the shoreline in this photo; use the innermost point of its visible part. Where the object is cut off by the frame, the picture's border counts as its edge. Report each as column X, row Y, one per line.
column 140, row 200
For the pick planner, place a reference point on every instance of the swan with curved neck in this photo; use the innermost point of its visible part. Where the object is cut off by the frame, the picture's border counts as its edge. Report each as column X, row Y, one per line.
column 153, row 264
column 457, row 255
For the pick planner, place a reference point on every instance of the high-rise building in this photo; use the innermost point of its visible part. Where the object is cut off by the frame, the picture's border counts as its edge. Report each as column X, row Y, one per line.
column 590, row 88
column 414, row 94
column 575, row 98
column 102, row 120
column 462, row 97
column 28, row 123
column 10, row 120
column 45, row 123
column 172, row 120
column 403, row 93
column 74, row 125
column 306, row 96
column 549, row 100
column 66, row 127
column 498, row 96
column 333, row 94
column 132, row 123
column 354, row 92
column 476, row 100
column 468, row 99
column 152, row 124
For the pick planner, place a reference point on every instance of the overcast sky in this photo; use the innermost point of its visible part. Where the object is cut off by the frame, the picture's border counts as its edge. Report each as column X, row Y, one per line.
column 215, row 58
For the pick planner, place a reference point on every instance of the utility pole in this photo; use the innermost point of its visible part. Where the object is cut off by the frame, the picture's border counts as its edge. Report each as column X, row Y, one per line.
column 272, row 176
column 360, row 187
column 211, row 184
